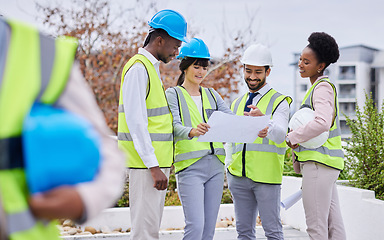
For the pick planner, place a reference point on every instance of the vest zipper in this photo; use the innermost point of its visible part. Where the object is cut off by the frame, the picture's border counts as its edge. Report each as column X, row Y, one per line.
column 202, row 112
column 243, row 160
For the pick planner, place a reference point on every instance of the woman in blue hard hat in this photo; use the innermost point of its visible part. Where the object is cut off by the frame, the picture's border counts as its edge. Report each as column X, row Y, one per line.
column 199, row 166
column 321, row 166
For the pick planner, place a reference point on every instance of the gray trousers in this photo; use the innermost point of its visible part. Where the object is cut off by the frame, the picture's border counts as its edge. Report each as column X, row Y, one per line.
column 321, row 202
column 249, row 198
column 200, row 188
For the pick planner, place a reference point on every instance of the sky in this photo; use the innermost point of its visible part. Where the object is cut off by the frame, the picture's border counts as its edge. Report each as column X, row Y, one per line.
column 282, row 25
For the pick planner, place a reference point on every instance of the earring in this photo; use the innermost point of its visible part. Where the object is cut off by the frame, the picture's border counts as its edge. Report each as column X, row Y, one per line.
column 319, row 71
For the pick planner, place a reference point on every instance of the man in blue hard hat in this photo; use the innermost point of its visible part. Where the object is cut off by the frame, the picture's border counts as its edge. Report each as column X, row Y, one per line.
column 50, row 76
column 145, row 129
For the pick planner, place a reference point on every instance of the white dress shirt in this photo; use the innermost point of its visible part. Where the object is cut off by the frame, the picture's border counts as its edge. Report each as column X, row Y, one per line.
column 135, row 88
column 278, row 125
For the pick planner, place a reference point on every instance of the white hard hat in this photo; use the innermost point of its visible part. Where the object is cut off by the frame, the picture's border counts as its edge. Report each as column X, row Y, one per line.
column 257, row 55
column 301, row 118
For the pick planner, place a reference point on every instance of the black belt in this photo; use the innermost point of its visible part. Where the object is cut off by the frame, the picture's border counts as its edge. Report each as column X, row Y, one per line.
column 11, row 153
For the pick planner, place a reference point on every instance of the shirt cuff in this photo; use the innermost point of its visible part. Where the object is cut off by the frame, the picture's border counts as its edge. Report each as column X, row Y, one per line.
column 84, row 216
column 190, row 129
column 292, row 139
column 150, row 161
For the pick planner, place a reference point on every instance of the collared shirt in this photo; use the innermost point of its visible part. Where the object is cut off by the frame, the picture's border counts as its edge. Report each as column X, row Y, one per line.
column 278, row 125
column 324, row 105
column 135, row 88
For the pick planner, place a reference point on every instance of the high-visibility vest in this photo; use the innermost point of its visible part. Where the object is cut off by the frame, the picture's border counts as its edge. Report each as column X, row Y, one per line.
column 28, row 73
column 159, row 119
column 187, row 152
column 263, row 160
column 330, row 153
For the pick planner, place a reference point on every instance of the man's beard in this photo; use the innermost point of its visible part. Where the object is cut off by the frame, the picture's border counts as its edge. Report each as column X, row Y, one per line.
column 165, row 59
column 258, row 86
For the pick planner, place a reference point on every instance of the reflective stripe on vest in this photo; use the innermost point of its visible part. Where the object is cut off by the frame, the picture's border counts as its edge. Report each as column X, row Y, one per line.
column 21, row 224
column 261, row 147
column 154, row 136
column 330, row 153
column 30, row 73
column 263, row 160
column 20, row 221
column 188, row 151
column 159, row 119
column 150, row 112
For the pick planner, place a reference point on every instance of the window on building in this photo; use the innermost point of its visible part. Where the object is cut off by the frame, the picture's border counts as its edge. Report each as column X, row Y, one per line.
column 374, row 86
column 344, row 128
column 347, row 91
column 347, row 73
column 303, row 87
column 347, row 108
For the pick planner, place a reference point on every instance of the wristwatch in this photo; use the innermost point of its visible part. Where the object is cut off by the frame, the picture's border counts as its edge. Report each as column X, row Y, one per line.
column 287, row 139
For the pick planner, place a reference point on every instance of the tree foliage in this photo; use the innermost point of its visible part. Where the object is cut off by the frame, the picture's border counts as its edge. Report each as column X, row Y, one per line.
column 107, row 41
column 104, row 45
column 365, row 149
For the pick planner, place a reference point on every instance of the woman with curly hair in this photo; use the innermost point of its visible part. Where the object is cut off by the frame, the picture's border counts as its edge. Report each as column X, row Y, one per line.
column 321, row 166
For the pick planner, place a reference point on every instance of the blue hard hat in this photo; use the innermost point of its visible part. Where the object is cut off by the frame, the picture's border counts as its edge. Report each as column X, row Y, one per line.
column 172, row 22
column 195, row 48
column 60, row 148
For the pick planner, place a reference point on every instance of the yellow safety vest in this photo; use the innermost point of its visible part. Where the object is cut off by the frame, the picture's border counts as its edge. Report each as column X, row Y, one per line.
column 263, row 160
column 29, row 73
column 159, row 119
column 330, row 153
column 188, row 151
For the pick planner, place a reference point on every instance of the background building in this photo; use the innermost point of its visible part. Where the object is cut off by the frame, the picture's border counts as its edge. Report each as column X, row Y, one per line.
column 359, row 70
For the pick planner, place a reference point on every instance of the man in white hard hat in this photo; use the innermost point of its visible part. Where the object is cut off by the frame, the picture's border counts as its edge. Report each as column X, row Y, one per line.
column 255, row 173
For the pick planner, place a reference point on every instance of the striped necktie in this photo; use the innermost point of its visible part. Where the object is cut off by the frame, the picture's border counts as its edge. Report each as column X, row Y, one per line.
column 249, row 101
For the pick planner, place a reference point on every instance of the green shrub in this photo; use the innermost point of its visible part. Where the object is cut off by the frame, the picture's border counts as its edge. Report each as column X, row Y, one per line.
column 288, row 164
column 124, row 200
column 365, row 149
column 171, row 198
column 227, row 197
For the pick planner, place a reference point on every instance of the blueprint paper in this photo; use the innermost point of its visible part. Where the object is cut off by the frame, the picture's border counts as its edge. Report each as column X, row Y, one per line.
column 291, row 200
column 225, row 127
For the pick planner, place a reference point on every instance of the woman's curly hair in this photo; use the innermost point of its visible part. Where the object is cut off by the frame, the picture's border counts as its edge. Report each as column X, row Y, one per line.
column 325, row 47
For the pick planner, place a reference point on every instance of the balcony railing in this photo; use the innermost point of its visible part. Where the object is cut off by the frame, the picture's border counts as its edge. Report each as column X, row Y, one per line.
column 347, row 95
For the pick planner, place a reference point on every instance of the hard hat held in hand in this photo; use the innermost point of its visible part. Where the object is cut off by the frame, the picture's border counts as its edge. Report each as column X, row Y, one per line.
column 172, row 22
column 257, row 55
column 301, row 118
column 60, row 148
column 195, row 48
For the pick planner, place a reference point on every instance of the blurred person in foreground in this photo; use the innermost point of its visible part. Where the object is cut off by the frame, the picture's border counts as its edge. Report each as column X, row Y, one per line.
column 36, row 68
